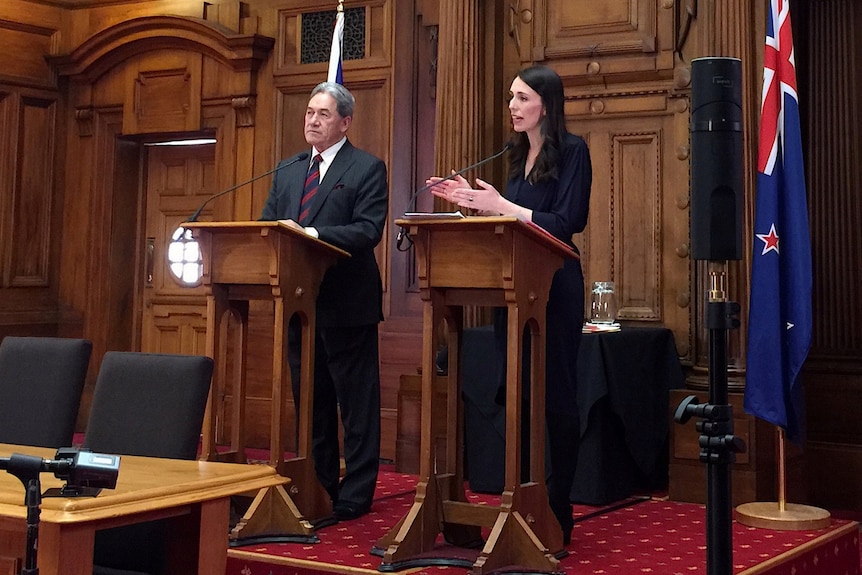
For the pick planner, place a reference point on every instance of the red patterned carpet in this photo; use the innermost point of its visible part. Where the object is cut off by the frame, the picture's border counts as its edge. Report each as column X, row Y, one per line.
column 633, row 537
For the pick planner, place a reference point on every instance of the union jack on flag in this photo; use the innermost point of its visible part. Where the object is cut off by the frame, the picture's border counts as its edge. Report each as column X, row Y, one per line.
column 779, row 326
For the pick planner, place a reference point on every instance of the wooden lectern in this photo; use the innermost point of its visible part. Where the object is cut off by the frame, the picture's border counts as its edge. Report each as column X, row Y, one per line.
column 483, row 261
column 244, row 261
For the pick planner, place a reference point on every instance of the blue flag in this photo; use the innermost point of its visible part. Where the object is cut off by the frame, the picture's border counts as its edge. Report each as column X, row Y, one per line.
column 335, row 74
column 779, row 322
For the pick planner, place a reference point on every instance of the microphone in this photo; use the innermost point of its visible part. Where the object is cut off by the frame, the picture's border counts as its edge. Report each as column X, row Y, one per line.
column 411, row 202
column 298, row 158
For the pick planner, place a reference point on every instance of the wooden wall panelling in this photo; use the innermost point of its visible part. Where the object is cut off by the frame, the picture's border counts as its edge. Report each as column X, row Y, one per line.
column 7, row 171
column 125, row 257
column 617, row 61
column 828, row 57
column 8, row 160
column 85, row 21
column 378, row 39
column 637, row 234
column 26, row 39
column 414, row 83
column 370, row 81
column 104, row 71
column 163, row 93
column 370, row 131
column 29, row 152
column 832, row 472
column 30, row 116
column 616, row 40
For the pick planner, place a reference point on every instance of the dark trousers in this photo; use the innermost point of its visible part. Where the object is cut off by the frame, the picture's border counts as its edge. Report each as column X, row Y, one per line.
column 346, row 376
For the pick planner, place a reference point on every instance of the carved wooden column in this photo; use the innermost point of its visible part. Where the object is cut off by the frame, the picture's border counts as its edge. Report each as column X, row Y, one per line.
column 459, row 87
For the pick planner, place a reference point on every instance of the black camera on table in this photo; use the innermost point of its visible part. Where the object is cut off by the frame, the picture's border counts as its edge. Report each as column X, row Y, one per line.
column 85, row 473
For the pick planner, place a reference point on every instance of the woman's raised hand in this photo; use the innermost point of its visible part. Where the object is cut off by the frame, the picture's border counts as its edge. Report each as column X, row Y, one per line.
column 445, row 188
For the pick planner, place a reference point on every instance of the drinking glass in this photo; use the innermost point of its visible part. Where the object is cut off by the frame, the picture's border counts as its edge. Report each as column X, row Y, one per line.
column 603, row 307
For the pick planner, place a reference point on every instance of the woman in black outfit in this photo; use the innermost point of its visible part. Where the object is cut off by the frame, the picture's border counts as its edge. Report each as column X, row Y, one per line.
column 549, row 181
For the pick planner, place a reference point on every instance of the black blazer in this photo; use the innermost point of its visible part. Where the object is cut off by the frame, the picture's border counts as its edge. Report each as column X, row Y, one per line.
column 349, row 211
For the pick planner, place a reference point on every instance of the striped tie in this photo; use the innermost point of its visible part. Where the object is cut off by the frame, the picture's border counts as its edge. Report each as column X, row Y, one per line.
column 312, row 180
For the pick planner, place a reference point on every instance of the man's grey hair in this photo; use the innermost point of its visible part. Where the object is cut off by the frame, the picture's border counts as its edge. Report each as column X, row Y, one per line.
column 344, row 100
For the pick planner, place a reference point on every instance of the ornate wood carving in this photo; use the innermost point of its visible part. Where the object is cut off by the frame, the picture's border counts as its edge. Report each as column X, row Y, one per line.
column 113, row 46
column 243, row 106
column 518, row 17
column 84, row 118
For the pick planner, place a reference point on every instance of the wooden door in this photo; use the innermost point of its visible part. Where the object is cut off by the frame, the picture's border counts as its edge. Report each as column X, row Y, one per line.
column 178, row 180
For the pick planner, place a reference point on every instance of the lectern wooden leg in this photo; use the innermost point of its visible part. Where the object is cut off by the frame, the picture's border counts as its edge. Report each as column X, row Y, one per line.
column 512, row 542
column 272, row 516
column 217, row 306
column 310, row 497
column 415, row 533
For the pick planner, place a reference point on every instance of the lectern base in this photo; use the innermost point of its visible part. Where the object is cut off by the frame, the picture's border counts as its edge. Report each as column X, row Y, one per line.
column 460, row 557
column 272, row 517
column 793, row 517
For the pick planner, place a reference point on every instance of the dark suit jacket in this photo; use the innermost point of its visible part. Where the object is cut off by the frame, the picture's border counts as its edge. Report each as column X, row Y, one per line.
column 349, row 211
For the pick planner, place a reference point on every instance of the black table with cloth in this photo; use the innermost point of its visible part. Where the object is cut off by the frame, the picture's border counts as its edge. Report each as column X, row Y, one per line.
column 623, row 382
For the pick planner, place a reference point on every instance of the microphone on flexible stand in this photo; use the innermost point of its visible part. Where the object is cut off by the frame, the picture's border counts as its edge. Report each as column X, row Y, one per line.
column 298, row 158
column 411, row 202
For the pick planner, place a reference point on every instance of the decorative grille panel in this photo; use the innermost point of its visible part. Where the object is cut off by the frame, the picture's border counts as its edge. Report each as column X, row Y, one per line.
column 317, row 35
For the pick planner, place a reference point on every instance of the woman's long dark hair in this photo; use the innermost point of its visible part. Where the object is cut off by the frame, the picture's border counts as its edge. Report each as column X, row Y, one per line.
column 548, row 85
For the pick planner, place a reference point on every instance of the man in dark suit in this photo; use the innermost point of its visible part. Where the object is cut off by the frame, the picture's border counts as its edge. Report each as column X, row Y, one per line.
column 340, row 196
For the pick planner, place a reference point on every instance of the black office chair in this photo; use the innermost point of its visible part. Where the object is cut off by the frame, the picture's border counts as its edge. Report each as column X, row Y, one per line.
column 41, row 380
column 152, row 405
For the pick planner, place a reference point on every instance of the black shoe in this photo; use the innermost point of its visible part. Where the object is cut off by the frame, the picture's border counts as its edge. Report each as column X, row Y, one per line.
column 347, row 512
column 563, row 513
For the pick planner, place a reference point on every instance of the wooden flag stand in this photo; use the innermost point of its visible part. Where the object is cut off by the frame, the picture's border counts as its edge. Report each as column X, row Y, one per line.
column 780, row 514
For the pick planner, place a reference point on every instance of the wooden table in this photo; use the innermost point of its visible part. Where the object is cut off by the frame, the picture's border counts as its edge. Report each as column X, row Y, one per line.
column 193, row 495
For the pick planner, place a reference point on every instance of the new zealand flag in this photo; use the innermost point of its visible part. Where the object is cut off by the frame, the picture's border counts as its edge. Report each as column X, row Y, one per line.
column 779, row 327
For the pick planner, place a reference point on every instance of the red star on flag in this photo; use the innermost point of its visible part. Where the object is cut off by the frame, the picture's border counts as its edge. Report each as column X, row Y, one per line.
column 770, row 241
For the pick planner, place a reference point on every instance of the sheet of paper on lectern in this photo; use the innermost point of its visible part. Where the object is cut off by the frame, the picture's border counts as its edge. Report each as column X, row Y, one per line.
column 434, row 215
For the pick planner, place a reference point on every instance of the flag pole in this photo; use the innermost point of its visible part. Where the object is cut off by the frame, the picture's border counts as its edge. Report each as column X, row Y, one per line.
column 335, row 72
column 781, row 515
